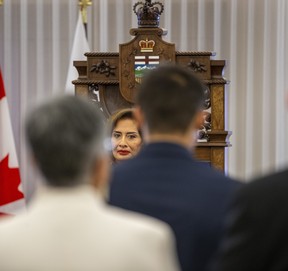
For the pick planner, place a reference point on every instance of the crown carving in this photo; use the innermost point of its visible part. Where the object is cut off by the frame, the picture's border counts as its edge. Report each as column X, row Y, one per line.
column 148, row 13
column 146, row 45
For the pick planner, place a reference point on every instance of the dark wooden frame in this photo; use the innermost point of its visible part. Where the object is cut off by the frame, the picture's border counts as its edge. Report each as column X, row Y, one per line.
column 108, row 79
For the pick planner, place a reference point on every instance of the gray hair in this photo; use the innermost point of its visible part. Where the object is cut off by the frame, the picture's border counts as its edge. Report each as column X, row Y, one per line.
column 66, row 137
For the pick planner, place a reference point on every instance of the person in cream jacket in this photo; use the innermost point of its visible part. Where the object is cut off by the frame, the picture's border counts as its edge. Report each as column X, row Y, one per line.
column 68, row 226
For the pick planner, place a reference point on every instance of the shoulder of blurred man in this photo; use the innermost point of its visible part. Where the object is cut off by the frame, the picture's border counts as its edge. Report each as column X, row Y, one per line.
column 256, row 227
column 166, row 182
column 170, row 170
column 52, row 225
column 157, row 153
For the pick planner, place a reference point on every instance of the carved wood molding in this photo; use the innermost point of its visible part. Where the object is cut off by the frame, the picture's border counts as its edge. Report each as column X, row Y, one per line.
column 144, row 31
column 219, row 136
column 195, row 53
column 91, row 54
column 97, row 82
column 213, row 144
column 216, row 81
column 205, row 81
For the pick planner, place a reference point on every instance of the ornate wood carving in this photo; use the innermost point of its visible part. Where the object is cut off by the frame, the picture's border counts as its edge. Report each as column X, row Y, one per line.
column 110, row 79
column 103, row 67
column 203, row 131
column 196, row 66
column 145, row 45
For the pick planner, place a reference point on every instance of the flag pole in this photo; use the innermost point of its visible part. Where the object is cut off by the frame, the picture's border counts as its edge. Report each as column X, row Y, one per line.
column 83, row 8
column 80, row 45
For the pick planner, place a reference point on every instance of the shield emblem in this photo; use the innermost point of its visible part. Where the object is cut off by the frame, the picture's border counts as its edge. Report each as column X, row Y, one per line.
column 142, row 64
column 141, row 54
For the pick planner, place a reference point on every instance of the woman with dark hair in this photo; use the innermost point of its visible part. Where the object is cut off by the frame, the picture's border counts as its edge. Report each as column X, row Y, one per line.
column 126, row 138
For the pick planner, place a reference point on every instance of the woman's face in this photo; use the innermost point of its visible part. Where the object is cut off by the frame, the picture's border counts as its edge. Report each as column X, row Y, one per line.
column 126, row 140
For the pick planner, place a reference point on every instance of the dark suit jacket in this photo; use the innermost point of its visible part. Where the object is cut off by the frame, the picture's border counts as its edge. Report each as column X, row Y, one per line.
column 165, row 182
column 257, row 234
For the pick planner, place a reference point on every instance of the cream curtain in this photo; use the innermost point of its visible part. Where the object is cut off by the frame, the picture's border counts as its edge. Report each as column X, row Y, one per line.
column 252, row 35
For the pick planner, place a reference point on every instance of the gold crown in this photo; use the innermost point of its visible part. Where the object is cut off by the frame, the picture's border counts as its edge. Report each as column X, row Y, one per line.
column 146, row 45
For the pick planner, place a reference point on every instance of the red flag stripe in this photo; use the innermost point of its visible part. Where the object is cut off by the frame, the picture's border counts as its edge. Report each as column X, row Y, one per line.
column 2, row 91
column 5, row 215
column 10, row 180
column 9, row 177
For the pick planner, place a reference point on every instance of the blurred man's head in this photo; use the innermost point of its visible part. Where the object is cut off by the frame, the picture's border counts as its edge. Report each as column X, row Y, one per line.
column 66, row 140
column 170, row 99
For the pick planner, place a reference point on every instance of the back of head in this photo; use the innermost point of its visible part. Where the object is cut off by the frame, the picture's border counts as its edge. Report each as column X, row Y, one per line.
column 170, row 97
column 65, row 136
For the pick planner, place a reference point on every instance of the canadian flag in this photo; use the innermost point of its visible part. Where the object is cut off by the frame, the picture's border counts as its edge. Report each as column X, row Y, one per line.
column 11, row 195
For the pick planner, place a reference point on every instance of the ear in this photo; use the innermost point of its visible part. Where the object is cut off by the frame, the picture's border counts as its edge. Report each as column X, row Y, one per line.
column 139, row 117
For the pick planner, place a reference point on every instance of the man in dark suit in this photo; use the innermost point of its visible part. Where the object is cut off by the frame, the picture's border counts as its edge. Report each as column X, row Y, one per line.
column 257, row 238
column 164, row 180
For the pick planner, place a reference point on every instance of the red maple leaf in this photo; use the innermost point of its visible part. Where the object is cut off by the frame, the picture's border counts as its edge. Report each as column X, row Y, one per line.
column 9, row 182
